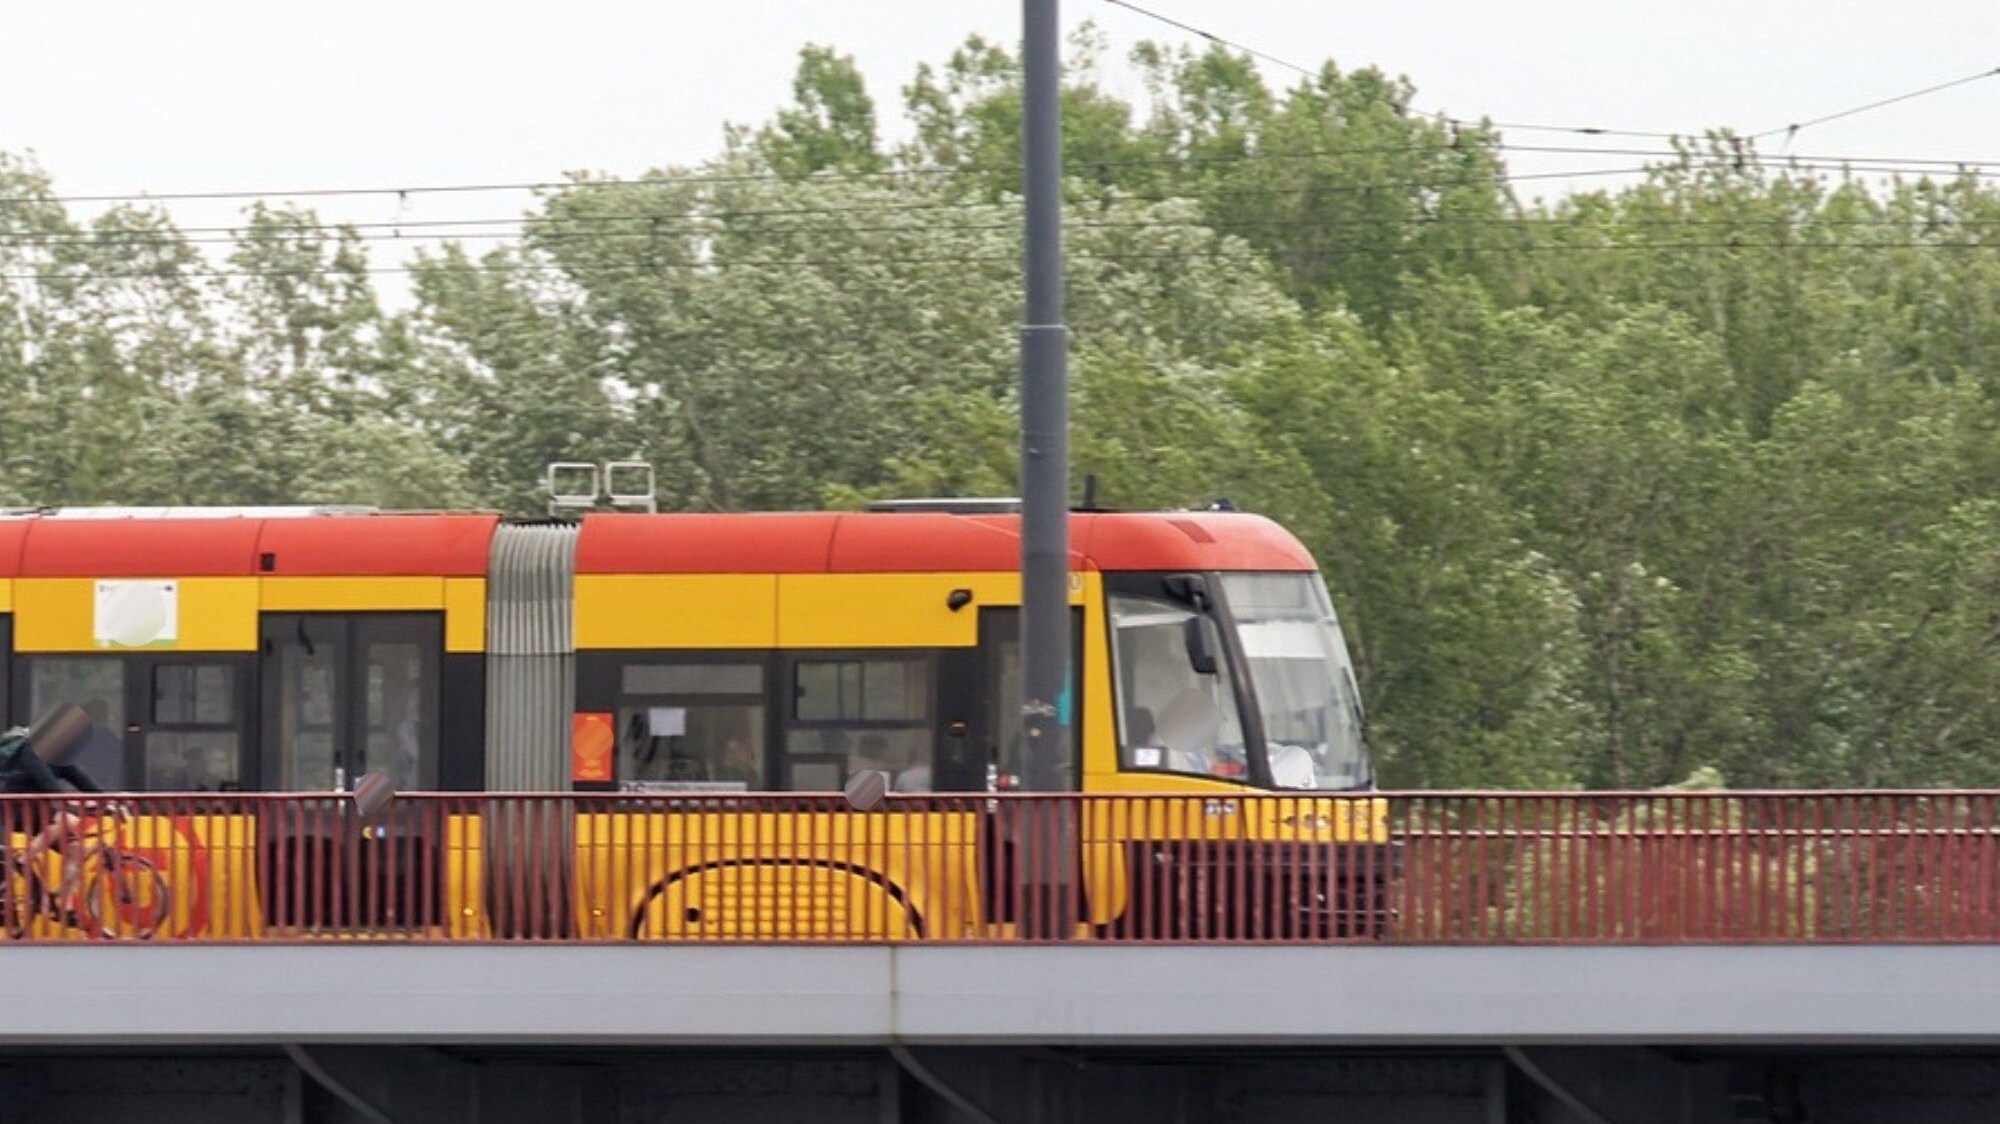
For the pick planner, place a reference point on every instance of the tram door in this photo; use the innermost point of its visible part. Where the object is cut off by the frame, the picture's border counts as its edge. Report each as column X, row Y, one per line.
column 345, row 695
column 349, row 694
column 979, row 730
column 981, row 739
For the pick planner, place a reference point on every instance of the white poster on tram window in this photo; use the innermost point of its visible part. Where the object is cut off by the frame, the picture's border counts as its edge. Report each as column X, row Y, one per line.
column 136, row 614
column 667, row 721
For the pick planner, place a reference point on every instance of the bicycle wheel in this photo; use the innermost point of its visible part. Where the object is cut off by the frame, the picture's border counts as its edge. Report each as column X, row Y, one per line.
column 23, row 895
column 124, row 896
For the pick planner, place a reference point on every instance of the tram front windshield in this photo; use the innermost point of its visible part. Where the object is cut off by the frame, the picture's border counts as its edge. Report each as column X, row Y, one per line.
column 1302, row 678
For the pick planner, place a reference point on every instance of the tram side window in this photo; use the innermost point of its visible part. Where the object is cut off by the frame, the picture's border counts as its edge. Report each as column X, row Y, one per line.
column 692, row 724
column 399, row 716
column 97, row 684
column 307, row 705
column 854, row 714
column 191, row 745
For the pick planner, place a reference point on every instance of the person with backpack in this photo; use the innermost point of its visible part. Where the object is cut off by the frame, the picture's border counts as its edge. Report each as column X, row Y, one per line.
column 41, row 759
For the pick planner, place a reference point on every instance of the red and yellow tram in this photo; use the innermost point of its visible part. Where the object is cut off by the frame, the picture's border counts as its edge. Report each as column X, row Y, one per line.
column 712, row 659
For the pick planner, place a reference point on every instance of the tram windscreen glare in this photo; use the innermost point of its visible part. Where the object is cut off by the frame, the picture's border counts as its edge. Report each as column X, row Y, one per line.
column 1303, row 680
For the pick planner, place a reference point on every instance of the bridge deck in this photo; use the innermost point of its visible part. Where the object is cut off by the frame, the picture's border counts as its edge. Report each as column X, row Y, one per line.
column 633, row 995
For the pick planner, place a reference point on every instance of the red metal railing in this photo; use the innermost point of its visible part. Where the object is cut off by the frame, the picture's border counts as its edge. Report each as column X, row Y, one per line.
column 1407, row 868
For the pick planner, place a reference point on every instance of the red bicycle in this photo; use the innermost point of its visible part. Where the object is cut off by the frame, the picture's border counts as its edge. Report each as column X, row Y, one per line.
column 102, row 889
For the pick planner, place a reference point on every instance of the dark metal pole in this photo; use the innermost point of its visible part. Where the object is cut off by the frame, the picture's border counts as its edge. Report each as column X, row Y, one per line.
column 1045, row 656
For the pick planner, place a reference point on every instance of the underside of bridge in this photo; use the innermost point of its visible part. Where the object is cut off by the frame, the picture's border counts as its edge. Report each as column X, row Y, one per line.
column 971, row 1085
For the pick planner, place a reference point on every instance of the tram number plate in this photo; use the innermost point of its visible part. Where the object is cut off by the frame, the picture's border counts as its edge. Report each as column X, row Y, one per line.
column 1218, row 807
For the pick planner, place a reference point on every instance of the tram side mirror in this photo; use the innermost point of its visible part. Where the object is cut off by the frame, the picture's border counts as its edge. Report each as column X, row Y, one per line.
column 1191, row 589
column 1200, row 650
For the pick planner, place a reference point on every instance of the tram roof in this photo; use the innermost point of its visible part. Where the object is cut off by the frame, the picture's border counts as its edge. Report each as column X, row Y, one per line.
column 347, row 545
column 457, row 544
column 920, row 542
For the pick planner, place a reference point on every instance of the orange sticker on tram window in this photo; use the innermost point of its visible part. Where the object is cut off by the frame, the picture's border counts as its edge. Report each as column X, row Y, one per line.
column 590, row 744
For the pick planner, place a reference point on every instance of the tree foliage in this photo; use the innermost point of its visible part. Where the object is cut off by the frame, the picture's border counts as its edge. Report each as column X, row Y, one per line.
column 1697, row 473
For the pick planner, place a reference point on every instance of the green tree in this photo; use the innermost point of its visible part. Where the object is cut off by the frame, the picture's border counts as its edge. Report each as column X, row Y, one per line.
column 829, row 126
column 1464, row 634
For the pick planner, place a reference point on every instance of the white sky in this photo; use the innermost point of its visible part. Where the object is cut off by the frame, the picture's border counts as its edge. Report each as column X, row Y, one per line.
column 190, row 95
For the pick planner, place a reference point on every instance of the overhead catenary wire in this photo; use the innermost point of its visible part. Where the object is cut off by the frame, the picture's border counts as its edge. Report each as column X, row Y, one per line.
column 702, row 221
column 668, row 229
column 1877, row 165
column 1220, row 41
column 681, row 180
column 1260, row 193
column 547, row 227
column 710, row 222
column 1793, row 129
column 335, row 233
column 676, row 179
column 1789, row 130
